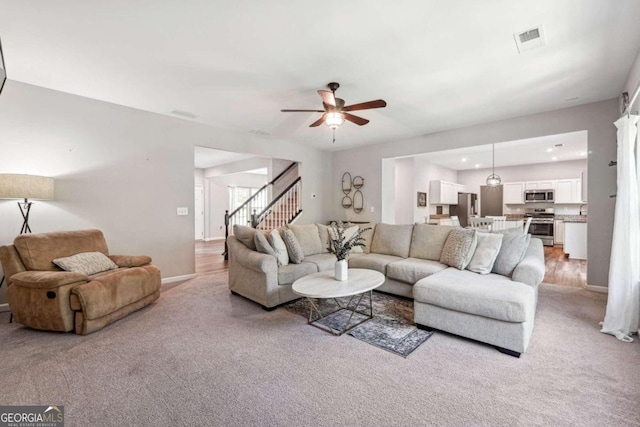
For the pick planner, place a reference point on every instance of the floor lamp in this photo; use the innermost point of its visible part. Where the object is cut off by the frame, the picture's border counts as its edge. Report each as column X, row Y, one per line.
column 25, row 187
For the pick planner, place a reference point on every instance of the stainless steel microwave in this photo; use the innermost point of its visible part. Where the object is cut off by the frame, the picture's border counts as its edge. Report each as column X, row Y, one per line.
column 539, row 196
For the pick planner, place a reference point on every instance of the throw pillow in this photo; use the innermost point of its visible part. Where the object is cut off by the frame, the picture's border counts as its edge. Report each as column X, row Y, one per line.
column 86, row 263
column 455, row 252
column 323, row 232
column 280, row 248
column 511, row 253
column 308, row 237
column 367, row 236
column 348, row 233
column 296, row 254
column 245, row 235
column 262, row 245
column 486, row 252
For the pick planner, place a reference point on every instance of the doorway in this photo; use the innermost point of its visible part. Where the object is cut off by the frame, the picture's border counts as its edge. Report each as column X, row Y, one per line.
column 198, row 212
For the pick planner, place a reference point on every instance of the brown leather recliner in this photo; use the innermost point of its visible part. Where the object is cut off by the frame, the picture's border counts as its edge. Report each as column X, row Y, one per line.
column 42, row 296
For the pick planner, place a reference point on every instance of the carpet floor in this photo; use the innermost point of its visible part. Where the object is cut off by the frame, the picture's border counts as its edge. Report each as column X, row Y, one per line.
column 202, row 357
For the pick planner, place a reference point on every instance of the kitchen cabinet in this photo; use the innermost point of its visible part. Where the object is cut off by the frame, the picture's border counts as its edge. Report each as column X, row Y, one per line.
column 513, row 193
column 575, row 240
column 569, row 191
column 540, row 185
column 558, row 232
column 444, row 193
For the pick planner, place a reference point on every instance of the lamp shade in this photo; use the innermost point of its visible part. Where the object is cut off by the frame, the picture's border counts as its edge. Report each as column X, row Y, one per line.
column 334, row 120
column 16, row 186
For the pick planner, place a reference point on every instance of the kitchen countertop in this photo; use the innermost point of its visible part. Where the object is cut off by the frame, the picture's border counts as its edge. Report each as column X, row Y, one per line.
column 571, row 218
column 514, row 217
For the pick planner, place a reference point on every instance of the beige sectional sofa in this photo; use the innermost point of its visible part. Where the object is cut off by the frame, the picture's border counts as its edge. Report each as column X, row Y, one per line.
column 492, row 308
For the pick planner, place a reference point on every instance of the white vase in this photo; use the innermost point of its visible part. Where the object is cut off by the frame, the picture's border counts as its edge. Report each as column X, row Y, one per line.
column 341, row 270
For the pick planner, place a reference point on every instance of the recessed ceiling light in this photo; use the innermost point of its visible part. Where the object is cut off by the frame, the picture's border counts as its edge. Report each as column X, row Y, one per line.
column 464, row 159
column 549, row 150
column 554, row 158
column 477, row 166
column 582, row 153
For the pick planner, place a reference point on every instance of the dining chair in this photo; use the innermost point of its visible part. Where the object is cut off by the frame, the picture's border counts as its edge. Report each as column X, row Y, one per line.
column 481, row 223
column 499, row 222
column 526, row 226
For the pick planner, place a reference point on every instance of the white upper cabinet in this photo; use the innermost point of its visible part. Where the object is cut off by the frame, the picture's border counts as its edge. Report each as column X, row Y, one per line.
column 540, row 185
column 569, row 191
column 444, row 193
column 513, row 193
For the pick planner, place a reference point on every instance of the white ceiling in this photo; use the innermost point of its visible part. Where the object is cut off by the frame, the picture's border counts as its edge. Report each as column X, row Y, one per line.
column 547, row 149
column 208, row 157
column 235, row 64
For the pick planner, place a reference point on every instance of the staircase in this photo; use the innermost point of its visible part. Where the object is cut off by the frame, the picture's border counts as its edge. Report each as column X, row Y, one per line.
column 283, row 208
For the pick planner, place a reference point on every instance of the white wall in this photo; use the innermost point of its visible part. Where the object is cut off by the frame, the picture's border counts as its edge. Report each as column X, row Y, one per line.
column 125, row 171
column 596, row 118
column 633, row 81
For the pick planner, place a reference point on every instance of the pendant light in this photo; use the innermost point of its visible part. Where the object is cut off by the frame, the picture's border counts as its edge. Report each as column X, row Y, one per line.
column 493, row 180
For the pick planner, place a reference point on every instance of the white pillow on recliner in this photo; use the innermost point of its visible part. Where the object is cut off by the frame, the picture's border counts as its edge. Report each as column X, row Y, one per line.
column 86, row 263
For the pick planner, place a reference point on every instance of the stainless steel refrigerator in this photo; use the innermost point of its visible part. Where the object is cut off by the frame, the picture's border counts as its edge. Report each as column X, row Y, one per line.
column 466, row 207
column 491, row 200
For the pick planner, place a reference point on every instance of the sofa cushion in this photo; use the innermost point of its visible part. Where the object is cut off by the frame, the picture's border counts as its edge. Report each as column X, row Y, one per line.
column 287, row 274
column 38, row 250
column 392, row 239
column 279, row 247
column 427, row 241
column 262, row 245
column 373, row 261
column 511, row 253
column 322, row 261
column 323, row 233
column 308, row 237
column 367, row 236
column 411, row 270
column 245, row 235
column 459, row 248
column 491, row 295
column 486, row 253
column 86, row 263
column 296, row 254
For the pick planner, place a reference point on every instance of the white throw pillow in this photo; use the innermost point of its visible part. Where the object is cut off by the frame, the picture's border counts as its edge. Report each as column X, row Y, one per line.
column 276, row 242
column 486, row 253
column 349, row 232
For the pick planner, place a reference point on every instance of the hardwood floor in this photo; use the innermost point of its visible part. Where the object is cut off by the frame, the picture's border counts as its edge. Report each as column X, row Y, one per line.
column 209, row 257
column 561, row 270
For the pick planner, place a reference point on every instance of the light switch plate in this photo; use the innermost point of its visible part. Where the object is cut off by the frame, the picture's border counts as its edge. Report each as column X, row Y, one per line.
column 183, row 211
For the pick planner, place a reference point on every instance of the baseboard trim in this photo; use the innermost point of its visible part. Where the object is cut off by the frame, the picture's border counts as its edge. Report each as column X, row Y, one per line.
column 212, row 239
column 4, row 307
column 601, row 289
column 174, row 279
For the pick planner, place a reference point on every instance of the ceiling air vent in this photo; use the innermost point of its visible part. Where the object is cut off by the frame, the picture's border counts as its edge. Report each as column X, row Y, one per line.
column 529, row 39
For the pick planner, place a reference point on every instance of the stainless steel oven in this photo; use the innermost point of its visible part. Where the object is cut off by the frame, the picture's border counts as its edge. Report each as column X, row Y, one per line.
column 539, row 196
column 541, row 224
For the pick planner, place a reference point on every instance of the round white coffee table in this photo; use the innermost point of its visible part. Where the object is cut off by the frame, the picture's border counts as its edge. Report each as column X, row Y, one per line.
column 323, row 285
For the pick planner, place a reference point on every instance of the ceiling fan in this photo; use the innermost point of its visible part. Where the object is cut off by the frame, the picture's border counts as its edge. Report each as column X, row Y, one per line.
column 335, row 112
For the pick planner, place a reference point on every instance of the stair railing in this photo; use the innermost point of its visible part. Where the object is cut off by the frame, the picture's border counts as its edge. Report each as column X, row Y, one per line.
column 282, row 210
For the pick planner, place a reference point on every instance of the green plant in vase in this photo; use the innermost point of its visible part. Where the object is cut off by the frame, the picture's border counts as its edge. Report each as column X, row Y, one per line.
column 340, row 245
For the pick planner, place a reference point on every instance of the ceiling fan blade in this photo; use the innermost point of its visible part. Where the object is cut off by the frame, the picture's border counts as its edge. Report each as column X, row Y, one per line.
column 318, row 122
column 327, row 97
column 355, row 119
column 378, row 103
column 302, row 111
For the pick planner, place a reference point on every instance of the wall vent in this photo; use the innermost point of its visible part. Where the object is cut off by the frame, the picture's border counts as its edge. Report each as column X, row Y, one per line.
column 529, row 39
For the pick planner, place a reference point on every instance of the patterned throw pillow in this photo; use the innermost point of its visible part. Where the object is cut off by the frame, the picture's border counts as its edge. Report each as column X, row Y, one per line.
column 280, row 248
column 459, row 248
column 86, row 263
column 486, row 253
column 296, row 255
column 262, row 245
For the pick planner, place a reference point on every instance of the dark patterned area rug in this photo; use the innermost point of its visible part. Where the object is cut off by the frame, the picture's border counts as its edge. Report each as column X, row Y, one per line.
column 391, row 328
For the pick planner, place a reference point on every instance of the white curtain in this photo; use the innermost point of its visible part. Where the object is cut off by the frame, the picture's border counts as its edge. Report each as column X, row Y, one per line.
column 623, row 305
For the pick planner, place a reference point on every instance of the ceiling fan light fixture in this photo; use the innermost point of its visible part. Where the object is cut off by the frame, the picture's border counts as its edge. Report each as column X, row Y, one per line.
column 334, row 120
